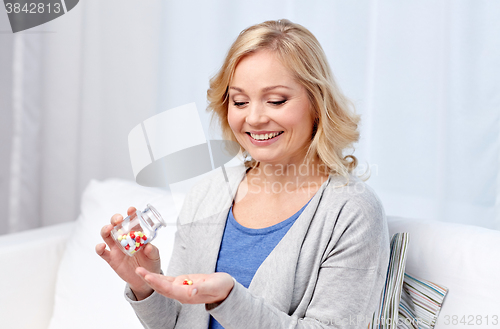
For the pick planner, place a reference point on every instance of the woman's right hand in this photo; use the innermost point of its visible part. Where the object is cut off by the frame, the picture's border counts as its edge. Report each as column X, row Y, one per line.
column 125, row 266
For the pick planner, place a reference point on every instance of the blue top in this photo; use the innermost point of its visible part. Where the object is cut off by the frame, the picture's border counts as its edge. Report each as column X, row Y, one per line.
column 248, row 244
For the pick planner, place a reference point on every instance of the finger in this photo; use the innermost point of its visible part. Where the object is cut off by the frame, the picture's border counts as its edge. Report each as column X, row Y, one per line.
column 100, row 249
column 143, row 272
column 116, row 219
column 152, row 252
column 131, row 210
column 106, row 235
column 162, row 284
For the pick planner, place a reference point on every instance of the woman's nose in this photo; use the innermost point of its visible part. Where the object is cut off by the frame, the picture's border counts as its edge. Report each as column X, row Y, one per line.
column 256, row 114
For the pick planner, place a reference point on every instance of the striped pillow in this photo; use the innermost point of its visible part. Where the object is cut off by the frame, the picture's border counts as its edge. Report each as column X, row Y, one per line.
column 420, row 303
column 386, row 316
column 406, row 302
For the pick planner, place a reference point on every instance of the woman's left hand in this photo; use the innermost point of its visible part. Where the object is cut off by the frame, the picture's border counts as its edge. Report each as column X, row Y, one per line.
column 206, row 288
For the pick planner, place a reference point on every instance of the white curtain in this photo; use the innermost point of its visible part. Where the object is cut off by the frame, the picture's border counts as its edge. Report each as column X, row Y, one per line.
column 424, row 75
column 72, row 89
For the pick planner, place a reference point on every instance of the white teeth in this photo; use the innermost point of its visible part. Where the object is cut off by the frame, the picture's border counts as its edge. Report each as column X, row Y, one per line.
column 264, row 136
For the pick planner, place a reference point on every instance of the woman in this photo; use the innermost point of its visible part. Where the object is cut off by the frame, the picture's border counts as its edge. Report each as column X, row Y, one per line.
column 299, row 242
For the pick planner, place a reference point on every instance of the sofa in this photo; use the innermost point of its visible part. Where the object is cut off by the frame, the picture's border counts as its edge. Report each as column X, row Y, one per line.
column 52, row 278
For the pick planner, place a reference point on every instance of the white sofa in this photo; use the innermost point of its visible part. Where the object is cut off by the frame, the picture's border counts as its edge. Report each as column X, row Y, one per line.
column 52, row 278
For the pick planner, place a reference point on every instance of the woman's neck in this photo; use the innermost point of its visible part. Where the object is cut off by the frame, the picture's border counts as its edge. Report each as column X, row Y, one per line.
column 293, row 176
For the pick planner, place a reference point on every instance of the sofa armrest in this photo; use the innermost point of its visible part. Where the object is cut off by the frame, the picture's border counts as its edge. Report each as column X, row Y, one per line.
column 30, row 261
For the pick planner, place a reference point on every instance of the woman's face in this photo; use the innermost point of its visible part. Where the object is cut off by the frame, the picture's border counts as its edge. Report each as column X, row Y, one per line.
column 269, row 112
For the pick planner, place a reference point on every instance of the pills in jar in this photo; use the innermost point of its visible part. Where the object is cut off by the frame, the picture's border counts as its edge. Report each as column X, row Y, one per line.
column 133, row 241
column 137, row 230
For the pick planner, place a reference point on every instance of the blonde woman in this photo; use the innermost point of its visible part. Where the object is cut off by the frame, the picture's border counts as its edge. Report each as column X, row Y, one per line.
column 299, row 241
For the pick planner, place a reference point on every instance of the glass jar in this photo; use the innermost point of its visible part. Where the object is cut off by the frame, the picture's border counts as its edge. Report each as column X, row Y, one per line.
column 137, row 230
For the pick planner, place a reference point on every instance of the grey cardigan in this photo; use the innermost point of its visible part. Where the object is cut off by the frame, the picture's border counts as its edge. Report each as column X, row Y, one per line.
column 328, row 271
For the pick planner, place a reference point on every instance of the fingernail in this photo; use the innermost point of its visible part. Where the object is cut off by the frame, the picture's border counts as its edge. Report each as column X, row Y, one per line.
column 193, row 292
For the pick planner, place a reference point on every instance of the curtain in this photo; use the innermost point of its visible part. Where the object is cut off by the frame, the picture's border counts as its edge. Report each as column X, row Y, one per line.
column 72, row 89
column 424, row 75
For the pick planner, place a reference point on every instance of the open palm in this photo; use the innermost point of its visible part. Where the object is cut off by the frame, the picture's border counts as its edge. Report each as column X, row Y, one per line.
column 205, row 288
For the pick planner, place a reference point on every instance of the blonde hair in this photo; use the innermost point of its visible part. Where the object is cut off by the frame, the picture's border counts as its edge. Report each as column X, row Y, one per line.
column 335, row 123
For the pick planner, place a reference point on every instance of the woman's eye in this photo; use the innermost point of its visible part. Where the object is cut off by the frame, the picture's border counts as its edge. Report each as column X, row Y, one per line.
column 278, row 102
column 239, row 104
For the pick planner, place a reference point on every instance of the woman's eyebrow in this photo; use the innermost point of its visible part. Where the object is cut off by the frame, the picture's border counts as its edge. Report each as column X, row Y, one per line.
column 237, row 89
column 274, row 87
column 263, row 89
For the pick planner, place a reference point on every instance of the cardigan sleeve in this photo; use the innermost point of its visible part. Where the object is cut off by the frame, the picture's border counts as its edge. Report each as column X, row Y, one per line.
column 147, row 310
column 347, row 288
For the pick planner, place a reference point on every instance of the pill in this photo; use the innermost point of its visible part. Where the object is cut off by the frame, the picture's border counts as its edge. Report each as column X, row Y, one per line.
column 130, row 241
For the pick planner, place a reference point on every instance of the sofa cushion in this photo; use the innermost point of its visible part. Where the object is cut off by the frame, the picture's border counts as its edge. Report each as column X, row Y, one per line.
column 463, row 258
column 89, row 294
column 30, row 260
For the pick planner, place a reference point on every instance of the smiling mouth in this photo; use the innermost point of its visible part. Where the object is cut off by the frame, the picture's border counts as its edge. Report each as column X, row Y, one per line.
column 264, row 137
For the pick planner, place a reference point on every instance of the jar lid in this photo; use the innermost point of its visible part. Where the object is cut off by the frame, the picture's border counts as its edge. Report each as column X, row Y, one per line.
column 153, row 217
